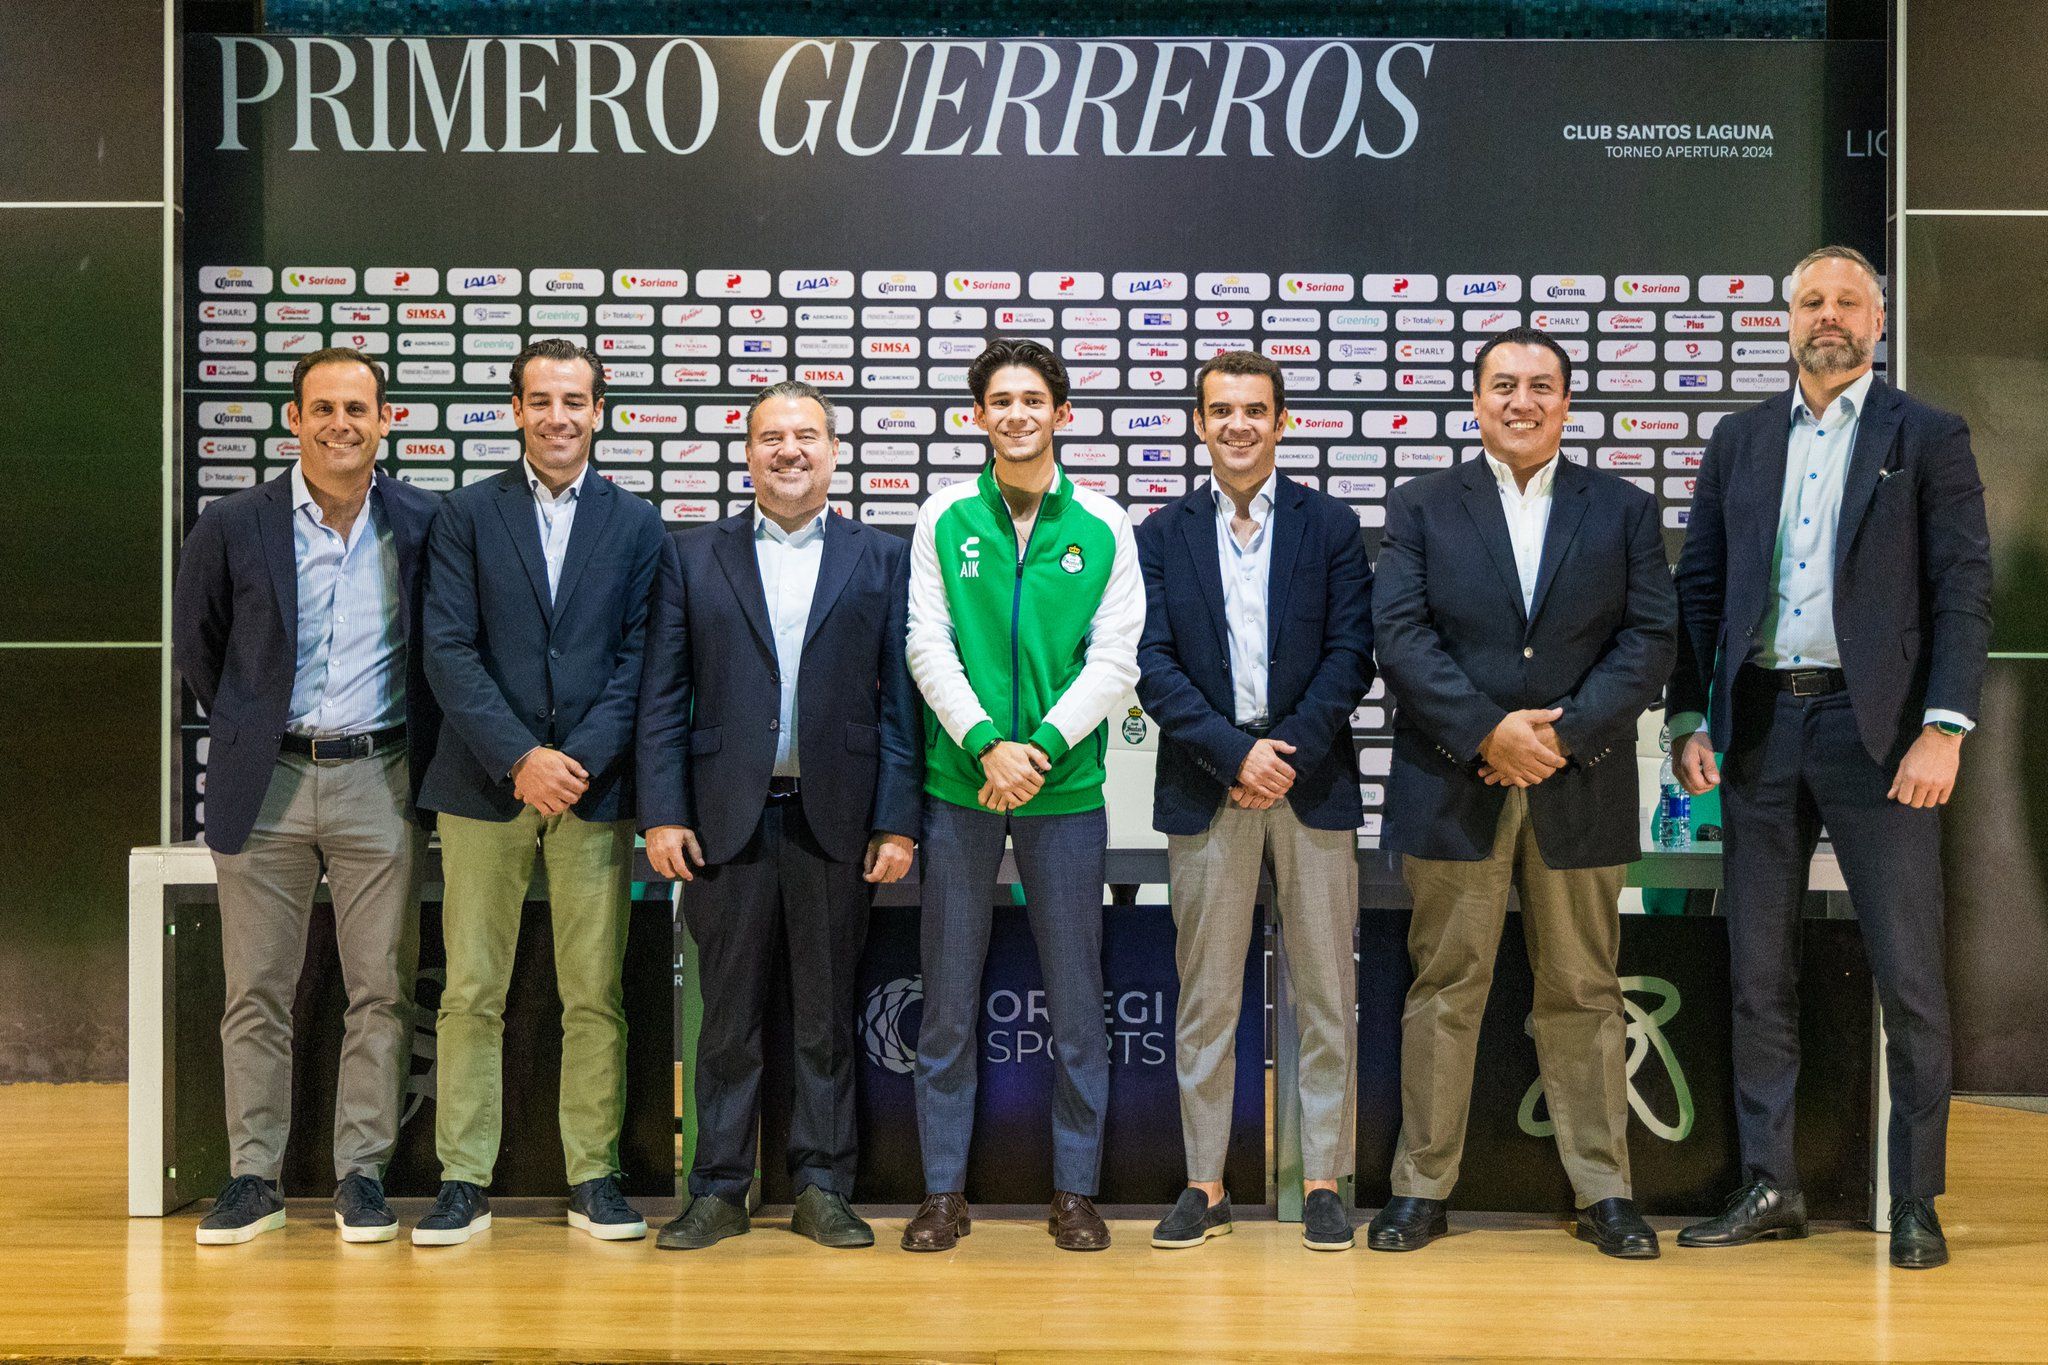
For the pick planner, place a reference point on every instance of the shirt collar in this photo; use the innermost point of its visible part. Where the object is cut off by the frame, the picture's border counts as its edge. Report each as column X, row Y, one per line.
column 1539, row 485
column 302, row 493
column 540, row 490
column 1853, row 397
column 802, row 535
column 1261, row 500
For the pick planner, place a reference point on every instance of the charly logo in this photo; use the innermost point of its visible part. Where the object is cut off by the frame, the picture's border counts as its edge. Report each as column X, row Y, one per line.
column 970, row 557
column 881, row 1024
column 1645, row 1035
column 1134, row 726
column 1071, row 560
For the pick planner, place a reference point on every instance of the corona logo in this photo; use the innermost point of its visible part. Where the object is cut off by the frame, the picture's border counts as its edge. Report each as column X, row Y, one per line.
column 881, row 1024
column 1645, row 1036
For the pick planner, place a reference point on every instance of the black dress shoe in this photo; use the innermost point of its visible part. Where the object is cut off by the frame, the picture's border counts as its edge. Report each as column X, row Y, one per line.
column 1758, row 1212
column 1917, row 1243
column 941, row 1221
column 1407, row 1224
column 708, row 1221
column 1614, row 1226
column 827, row 1219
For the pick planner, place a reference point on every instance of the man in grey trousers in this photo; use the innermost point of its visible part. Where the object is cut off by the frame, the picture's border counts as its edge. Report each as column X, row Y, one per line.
column 1252, row 675
column 296, row 624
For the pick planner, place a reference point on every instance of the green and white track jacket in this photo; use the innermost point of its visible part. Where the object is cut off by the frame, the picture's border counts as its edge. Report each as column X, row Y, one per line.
column 1037, row 647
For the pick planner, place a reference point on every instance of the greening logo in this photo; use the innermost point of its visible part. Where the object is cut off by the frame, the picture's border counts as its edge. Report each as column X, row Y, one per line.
column 1645, row 1036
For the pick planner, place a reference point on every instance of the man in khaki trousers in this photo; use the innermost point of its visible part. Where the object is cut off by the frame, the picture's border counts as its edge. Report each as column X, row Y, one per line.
column 1524, row 617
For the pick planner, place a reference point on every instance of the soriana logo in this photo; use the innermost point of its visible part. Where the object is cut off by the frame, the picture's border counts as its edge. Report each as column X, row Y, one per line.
column 650, row 283
column 646, row 417
column 1665, row 426
column 1335, row 288
column 319, row 279
column 982, row 284
column 1652, row 288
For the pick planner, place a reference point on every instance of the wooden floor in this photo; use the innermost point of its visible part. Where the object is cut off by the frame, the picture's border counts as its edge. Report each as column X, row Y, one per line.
column 80, row 1280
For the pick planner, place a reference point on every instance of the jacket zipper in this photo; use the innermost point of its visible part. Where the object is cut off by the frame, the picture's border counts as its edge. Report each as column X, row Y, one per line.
column 1016, row 615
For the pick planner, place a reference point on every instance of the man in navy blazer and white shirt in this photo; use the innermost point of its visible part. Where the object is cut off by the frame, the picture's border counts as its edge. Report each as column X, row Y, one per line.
column 1834, row 599
column 781, row 774
column 536, row 618
column 296, row 622
column 1257, row 647
column 1525, row 620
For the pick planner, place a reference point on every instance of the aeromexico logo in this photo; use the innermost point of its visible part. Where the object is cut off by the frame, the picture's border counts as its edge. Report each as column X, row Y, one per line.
column 1645, row 1036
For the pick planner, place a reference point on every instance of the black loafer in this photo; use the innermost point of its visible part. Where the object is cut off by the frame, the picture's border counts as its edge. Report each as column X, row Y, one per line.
column 1614, row 1226
column 1917, row 1241
column 708, row 1221
column 1758, row 1212
column 1194, row 1220
column 827, row 1219
column 1324, row 1224
column 1407, row 1224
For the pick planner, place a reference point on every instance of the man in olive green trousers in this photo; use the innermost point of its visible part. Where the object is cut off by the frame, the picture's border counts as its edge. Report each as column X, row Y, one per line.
column 536, row 614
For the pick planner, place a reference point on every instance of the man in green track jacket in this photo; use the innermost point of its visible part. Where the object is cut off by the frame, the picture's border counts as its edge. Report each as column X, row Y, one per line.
column 1026, row 605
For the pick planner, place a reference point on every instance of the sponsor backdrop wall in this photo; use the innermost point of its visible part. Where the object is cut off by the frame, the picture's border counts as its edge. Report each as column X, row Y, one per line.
column 711, row 215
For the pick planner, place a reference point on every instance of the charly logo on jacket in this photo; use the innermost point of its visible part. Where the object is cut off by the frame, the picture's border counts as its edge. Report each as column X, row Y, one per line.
column 1071, row 560
column 1645, row 1035
column 970, row 557
column 881, row 1024
column 1134, row 726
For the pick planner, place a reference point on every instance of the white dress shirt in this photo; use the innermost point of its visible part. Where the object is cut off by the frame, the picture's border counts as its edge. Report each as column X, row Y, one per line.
column 349, row 674
column 1247, row 575
column 1528, row 514
column 555, row 515
column 789, row 563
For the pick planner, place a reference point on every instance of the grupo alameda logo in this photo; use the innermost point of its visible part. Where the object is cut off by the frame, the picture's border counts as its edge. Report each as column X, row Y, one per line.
column 1645, row 1035
column 881, row 1024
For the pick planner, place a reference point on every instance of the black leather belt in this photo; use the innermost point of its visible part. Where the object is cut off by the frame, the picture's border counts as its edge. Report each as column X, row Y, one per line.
column 1803, row 682
column 1258, row 731
column 781, row 789
column 342, row 748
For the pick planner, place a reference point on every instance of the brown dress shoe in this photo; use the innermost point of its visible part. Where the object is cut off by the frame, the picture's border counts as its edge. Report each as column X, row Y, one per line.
column 1074, row 1223
column 941, row 1221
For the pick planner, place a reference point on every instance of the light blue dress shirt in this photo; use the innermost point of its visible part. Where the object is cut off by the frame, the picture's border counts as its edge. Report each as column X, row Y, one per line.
column 1799, row 628
column 350, row 669
column 1247, row 571
column 555, row 515
column 789, row 563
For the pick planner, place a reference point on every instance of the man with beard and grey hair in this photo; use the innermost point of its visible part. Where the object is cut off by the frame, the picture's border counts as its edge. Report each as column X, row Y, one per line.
column 1834, row 618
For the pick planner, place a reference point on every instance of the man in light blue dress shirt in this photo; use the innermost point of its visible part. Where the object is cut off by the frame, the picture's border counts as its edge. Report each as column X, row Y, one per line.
column 1834, row 599
column 297, row 627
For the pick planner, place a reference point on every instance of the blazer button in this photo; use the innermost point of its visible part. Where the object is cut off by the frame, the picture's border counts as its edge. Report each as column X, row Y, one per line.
column 554, row 653
column 774, row 725
column 1528, row 651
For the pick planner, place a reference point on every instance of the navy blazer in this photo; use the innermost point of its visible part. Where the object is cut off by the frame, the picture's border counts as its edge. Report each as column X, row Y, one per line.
column 1318, row 651
column 1912, row 567
column 1459, row 653
column 512, row 671
column 710, row 698
column 235, row 637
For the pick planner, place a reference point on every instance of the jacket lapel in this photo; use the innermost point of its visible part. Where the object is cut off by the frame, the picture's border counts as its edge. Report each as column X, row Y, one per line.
column 1482, row 503
column 1285, row 532
column 842, row 555
column 1878, row 423
column 596, row 499
column 1767, row 482
column 735, row 555
column 406, row 545
column 1198, row 528
column 515, row 505
column 274, row 523
column 1567, row 509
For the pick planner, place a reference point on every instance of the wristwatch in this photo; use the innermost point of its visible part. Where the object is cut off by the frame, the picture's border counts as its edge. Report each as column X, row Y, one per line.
column 1949, row 728
column 983, row 751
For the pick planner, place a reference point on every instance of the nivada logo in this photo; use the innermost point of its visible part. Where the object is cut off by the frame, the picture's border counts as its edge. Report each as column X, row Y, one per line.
column 1645, row 1039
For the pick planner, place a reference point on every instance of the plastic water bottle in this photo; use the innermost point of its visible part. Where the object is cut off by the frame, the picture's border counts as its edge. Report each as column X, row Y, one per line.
column 1671, row 827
